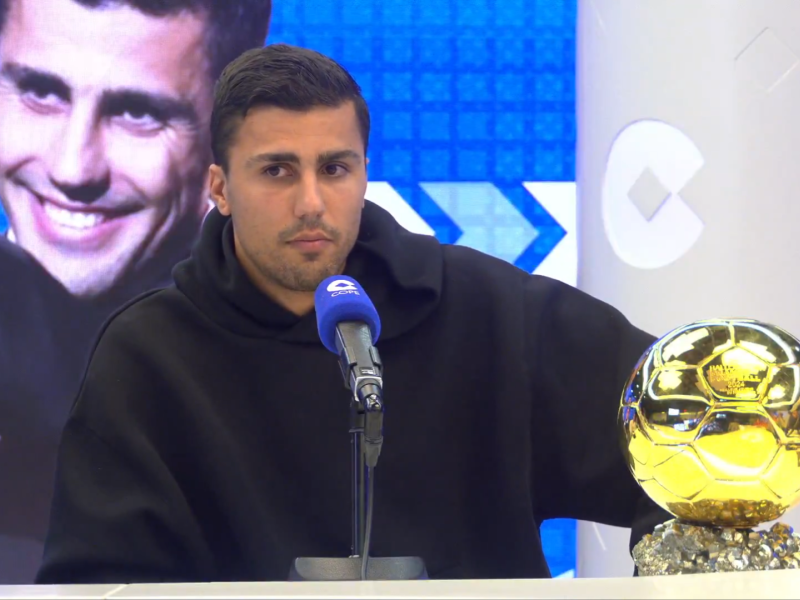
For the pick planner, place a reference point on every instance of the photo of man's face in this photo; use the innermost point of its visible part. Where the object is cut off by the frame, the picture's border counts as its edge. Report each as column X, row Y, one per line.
column 103, row 135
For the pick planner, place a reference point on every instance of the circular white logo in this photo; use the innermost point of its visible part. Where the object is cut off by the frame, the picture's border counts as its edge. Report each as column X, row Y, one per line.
column 341, row 285
column 672, row 159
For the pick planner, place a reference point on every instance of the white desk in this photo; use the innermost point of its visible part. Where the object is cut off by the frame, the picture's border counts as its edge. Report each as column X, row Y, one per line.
column 780, row 584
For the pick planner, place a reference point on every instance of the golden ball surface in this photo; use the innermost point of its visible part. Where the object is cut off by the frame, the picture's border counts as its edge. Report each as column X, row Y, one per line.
column 710, row 422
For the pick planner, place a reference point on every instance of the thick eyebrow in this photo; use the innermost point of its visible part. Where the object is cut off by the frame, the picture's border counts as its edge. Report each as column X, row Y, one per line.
column 27, row 78
column 292, row 158
column 335, row 155
column 273, row 157
column 114, row 102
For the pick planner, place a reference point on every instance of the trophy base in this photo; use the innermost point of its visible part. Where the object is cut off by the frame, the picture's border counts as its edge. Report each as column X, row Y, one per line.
column 680, row 548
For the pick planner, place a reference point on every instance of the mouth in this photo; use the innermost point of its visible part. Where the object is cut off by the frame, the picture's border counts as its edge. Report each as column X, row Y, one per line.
column 62, row 222
column 79, row 216
column 73, row 219
column 308, row 246
column 312, row 236
column 310, row 242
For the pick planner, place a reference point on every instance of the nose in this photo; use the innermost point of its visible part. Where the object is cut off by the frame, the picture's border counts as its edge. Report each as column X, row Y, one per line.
column 309, row 202
column 78, row 163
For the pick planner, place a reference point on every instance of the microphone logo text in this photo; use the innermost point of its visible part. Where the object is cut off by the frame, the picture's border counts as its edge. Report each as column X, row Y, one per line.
column 341, row 287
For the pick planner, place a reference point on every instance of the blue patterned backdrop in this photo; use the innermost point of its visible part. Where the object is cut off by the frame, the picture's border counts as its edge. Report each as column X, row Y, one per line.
column 460, row 91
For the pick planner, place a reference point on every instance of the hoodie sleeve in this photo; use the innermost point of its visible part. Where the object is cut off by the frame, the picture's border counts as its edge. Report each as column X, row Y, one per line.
column 118, row 514
column 582, row 352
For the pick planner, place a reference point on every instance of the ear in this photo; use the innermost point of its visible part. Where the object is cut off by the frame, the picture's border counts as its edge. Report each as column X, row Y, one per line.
column 218, row 189
column 206, row 204
column 366, row 170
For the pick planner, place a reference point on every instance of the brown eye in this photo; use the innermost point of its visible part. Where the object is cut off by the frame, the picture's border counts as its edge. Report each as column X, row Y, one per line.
column 274, row 171
column 43, row 102
column 140, row 121
column 334, row 170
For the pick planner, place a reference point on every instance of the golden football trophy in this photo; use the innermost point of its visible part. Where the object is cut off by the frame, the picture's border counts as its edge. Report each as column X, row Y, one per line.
column 710, row 424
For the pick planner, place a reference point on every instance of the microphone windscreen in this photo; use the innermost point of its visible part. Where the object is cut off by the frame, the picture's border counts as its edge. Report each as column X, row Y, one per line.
column 341, row 298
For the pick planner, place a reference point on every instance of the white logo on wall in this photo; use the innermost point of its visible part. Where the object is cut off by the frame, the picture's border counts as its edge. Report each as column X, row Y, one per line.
column 672, row 159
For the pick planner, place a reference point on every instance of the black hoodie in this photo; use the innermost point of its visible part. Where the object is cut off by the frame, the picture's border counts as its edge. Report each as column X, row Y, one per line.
column 38, row 381
column 210, row 441
column 46, row 336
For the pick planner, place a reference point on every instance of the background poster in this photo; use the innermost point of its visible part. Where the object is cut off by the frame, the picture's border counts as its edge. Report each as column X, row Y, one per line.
column 473, row 141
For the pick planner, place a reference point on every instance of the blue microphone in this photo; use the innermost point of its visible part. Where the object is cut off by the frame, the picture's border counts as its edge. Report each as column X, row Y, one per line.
column 341, row 298
column 349, row 326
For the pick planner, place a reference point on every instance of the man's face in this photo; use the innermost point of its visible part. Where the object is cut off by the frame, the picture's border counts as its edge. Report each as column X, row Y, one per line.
column 103, row 143
column 295, row 190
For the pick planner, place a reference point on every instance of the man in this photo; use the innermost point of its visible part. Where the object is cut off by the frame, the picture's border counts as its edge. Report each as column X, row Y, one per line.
column 104, row 146
column 104, row 108
column 208, row 441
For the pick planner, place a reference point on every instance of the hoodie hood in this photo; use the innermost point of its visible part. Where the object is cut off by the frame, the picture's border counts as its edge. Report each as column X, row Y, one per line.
column 400, row 271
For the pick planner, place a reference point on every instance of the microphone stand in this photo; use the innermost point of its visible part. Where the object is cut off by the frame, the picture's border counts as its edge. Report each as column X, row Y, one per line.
column 362, row 371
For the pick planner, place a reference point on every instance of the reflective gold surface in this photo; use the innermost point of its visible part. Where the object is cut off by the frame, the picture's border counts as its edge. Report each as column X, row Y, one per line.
column 710, row 422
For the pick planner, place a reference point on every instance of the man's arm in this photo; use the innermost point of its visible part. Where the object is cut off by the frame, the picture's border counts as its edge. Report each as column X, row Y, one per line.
column 119, row 514
column 582, row 352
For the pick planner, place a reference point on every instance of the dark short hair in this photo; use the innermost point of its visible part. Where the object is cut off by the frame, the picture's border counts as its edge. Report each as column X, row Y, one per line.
column 234, row 26
column 281, row 76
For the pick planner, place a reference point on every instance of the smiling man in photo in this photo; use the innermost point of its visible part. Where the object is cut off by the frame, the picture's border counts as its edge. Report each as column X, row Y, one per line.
column 104, row 109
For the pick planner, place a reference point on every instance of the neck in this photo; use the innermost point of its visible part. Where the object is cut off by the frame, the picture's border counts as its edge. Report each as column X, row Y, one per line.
column 298, row 303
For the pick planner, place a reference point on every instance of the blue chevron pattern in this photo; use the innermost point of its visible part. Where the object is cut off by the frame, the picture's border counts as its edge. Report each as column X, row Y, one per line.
column 550, row 232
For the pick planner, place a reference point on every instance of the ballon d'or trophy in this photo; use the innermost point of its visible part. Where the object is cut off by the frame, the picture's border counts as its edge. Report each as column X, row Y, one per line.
column 710, row 423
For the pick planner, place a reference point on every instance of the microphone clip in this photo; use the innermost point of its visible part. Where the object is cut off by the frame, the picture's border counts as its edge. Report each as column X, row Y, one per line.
column 372, row 406
column 362, row 371
column 367, row 404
